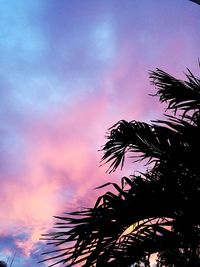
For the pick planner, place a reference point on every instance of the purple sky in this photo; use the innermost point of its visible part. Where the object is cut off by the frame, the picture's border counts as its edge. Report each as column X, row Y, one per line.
column 68, row 71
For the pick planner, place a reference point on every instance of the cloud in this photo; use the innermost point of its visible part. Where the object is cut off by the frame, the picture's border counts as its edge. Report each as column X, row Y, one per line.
column 55, row 165
column 67, row 74
column 59, row 161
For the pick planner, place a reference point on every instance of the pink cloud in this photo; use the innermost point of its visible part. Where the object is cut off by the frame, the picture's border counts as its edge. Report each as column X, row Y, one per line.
column 59, row 153
column 60, row 157
column 60, row 167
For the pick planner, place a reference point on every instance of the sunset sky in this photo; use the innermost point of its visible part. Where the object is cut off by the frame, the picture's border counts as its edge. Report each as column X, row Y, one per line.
column 70, row 69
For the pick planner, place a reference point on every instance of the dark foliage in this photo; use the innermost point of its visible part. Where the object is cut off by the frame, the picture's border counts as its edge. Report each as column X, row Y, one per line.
column 153, row 212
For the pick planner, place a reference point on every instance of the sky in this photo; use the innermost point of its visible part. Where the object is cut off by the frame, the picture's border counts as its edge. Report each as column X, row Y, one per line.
column 70, row 69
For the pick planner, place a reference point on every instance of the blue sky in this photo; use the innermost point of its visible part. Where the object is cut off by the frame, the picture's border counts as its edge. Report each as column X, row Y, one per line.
column 68, row 71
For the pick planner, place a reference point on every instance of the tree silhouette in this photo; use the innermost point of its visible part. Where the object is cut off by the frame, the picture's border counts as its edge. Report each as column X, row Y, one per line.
column 152, row 212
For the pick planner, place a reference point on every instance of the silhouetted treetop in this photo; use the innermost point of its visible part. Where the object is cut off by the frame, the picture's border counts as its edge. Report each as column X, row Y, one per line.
column 152, row 212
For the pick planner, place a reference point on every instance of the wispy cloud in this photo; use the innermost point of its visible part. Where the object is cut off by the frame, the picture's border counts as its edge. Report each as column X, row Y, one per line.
column 68, row 72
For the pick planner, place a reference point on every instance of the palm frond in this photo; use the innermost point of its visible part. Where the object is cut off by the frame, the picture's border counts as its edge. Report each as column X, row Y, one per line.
column 154, row 142
column 150, row 212
column 147, row 141
column 180, row 95
column 97, row 234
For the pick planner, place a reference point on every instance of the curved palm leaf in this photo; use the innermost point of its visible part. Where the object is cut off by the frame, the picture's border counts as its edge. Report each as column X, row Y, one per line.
column 98, row 232
column 181, row 95
column 149, row 141
column 151, row 212
column 153, row 142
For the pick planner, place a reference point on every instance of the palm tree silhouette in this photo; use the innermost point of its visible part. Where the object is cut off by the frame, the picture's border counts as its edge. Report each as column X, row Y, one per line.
column 152, row 212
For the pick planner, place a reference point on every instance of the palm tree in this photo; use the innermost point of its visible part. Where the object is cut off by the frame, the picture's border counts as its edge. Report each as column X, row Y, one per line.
column 152, row 212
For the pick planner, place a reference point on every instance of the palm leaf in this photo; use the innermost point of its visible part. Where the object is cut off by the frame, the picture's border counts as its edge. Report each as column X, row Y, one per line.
column 97, row 232
column 147, row 141
column 158, row 204
column 180, row 95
